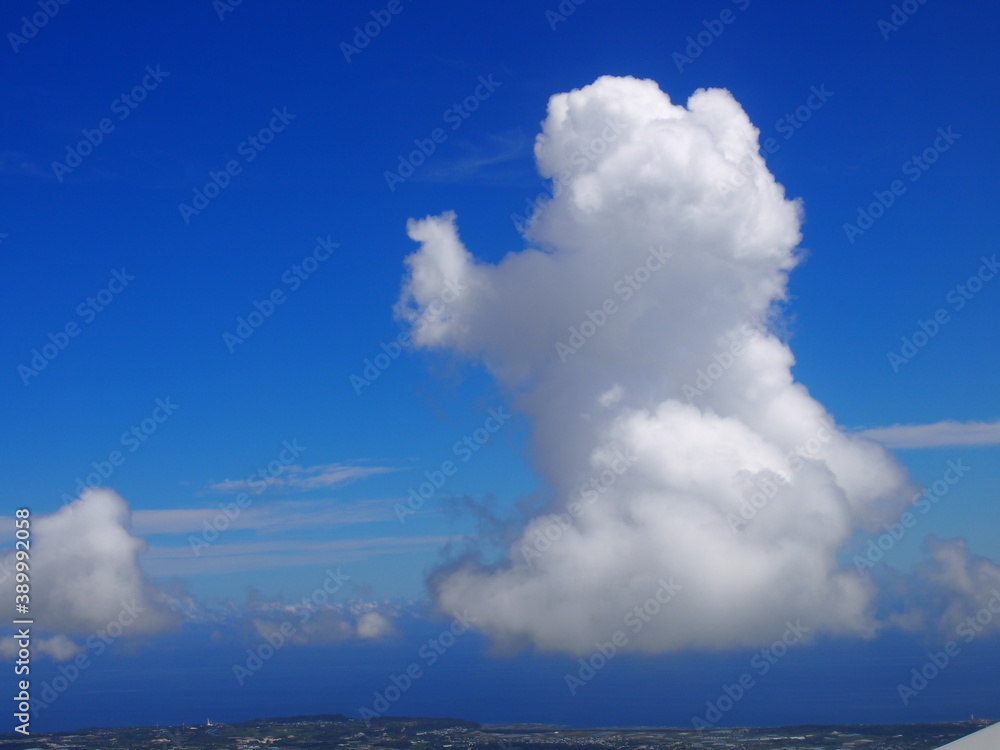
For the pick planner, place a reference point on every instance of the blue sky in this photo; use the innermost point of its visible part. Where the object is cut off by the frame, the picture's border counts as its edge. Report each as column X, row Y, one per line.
column 317, row 177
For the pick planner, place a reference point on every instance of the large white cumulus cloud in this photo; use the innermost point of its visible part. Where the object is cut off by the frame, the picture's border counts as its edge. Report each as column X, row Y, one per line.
column 641, row 183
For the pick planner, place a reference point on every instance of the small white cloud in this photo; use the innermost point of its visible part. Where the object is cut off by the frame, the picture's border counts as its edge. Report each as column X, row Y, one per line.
column 374, row 625
column 965, row 588
column 58, row 648
column 308, row 623
column 323, row 627
column 611, row 396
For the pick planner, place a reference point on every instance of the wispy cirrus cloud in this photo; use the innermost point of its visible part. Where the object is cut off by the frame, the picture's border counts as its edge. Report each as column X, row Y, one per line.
column 479, row 163
column 936, row 435
column 239, row 557
column 302, row 478
column 264, row 518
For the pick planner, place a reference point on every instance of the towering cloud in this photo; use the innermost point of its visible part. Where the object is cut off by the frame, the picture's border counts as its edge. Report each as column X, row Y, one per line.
column 637, row 336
